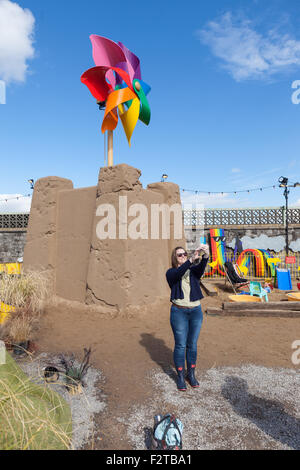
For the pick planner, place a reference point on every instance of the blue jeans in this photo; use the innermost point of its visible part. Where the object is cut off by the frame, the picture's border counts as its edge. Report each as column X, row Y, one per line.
column 186, row 325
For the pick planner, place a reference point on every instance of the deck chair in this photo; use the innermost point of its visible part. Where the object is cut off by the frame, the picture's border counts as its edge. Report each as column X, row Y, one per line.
column 256, row 289
column 233, row 275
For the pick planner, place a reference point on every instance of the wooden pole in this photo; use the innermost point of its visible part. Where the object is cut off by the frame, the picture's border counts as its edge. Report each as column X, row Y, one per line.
column 110, row 144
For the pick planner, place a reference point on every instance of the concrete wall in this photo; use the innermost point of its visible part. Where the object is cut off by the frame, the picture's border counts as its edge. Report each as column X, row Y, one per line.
column 63, row 240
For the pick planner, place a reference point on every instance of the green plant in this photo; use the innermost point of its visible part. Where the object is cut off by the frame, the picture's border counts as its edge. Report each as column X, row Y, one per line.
column 32, row 417
column 75, row 374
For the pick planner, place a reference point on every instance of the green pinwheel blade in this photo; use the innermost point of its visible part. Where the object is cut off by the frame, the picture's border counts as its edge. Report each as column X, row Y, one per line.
column 145, row 112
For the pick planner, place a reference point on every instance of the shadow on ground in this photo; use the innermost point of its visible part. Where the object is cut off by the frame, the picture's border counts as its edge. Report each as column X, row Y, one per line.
column 267, row 415
column 159, row 353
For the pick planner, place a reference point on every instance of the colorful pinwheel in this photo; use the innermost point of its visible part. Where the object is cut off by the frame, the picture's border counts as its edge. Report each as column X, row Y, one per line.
column 116, row 84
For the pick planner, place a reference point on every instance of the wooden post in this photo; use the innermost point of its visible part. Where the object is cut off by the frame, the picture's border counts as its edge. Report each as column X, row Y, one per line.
column 110, row 143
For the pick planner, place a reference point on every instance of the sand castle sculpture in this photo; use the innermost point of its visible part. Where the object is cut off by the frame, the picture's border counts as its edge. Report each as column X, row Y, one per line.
column 119, row 273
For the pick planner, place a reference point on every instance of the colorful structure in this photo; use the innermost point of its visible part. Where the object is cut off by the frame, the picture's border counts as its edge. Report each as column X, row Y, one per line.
column 245, row 258
column 217, row 244
column 264, row 263
column 117, row 85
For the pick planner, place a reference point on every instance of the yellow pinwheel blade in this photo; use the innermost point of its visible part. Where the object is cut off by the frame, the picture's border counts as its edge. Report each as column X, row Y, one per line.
column 130, row 117
column 115, row 99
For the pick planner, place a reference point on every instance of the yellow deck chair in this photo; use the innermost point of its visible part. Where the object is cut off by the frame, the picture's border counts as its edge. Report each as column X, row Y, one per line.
column 10, row 268
column 5, row 310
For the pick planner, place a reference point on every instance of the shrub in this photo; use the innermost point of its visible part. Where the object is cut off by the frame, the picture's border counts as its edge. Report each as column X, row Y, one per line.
column 27, row 292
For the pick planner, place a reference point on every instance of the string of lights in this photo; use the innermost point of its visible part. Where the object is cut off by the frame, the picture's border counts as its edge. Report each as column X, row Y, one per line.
column 6, row 199
column 195, row 191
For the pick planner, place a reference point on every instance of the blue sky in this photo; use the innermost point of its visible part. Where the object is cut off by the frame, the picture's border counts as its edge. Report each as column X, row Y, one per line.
column 221, row 75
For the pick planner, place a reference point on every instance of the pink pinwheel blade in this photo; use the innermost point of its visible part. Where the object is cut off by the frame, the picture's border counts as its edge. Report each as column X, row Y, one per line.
column 107, row 53
column 133, row 61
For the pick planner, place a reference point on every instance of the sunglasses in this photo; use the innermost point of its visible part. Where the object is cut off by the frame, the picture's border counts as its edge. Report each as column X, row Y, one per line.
column 219, row 239
column 181, row 254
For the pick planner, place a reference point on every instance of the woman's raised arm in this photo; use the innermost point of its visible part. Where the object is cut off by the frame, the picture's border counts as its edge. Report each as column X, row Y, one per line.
column 174, row 275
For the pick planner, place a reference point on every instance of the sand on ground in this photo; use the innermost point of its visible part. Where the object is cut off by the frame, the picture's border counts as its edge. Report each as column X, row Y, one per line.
column 126, row 350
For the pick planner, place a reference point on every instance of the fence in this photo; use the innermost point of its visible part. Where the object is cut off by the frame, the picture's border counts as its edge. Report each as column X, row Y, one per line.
column 256, row 268
column 247, row 216
column 14, row 221
column 200, row 218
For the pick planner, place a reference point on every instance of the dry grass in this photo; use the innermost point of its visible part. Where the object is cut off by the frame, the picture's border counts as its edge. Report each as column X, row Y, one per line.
column 25, row 429
column 20, row 326
column 28, row 289
column 31, row 417
column 27, row 292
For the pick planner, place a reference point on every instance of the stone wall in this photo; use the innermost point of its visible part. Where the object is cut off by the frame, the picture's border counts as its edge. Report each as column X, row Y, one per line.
column 11, row 246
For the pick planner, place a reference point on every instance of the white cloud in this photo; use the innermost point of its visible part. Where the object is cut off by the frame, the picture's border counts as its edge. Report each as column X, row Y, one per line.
column 14, row 204
column 235, row 170
column 246, row 53
column 16, row 41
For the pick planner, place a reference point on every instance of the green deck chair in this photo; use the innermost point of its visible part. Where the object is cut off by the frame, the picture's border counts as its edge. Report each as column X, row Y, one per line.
column 256, row 289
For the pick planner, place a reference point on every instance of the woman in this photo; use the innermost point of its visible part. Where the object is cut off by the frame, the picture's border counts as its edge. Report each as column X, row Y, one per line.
column 186, row 314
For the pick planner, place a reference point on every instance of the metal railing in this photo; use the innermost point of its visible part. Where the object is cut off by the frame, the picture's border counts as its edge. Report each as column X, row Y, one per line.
column 200, row 218
column 247, row 216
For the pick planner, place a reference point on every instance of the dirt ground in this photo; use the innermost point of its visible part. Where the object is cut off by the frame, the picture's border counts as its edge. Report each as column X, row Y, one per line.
column 126, row 350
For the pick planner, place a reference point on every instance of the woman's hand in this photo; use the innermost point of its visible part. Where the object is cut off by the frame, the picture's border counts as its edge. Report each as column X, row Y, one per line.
column 204, row 248
column 194, row 256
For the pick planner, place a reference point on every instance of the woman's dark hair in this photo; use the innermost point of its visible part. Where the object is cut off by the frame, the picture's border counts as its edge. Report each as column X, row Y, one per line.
column 174, row 261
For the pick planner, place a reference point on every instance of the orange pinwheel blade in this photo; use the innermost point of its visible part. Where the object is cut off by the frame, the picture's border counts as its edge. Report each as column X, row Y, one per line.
column 115, row 98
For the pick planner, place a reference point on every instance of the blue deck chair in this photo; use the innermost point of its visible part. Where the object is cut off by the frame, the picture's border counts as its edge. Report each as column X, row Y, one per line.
column 256, row 289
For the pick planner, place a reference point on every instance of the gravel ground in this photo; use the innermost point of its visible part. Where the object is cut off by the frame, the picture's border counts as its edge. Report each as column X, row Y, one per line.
column 248, row 407
column 83, row 406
